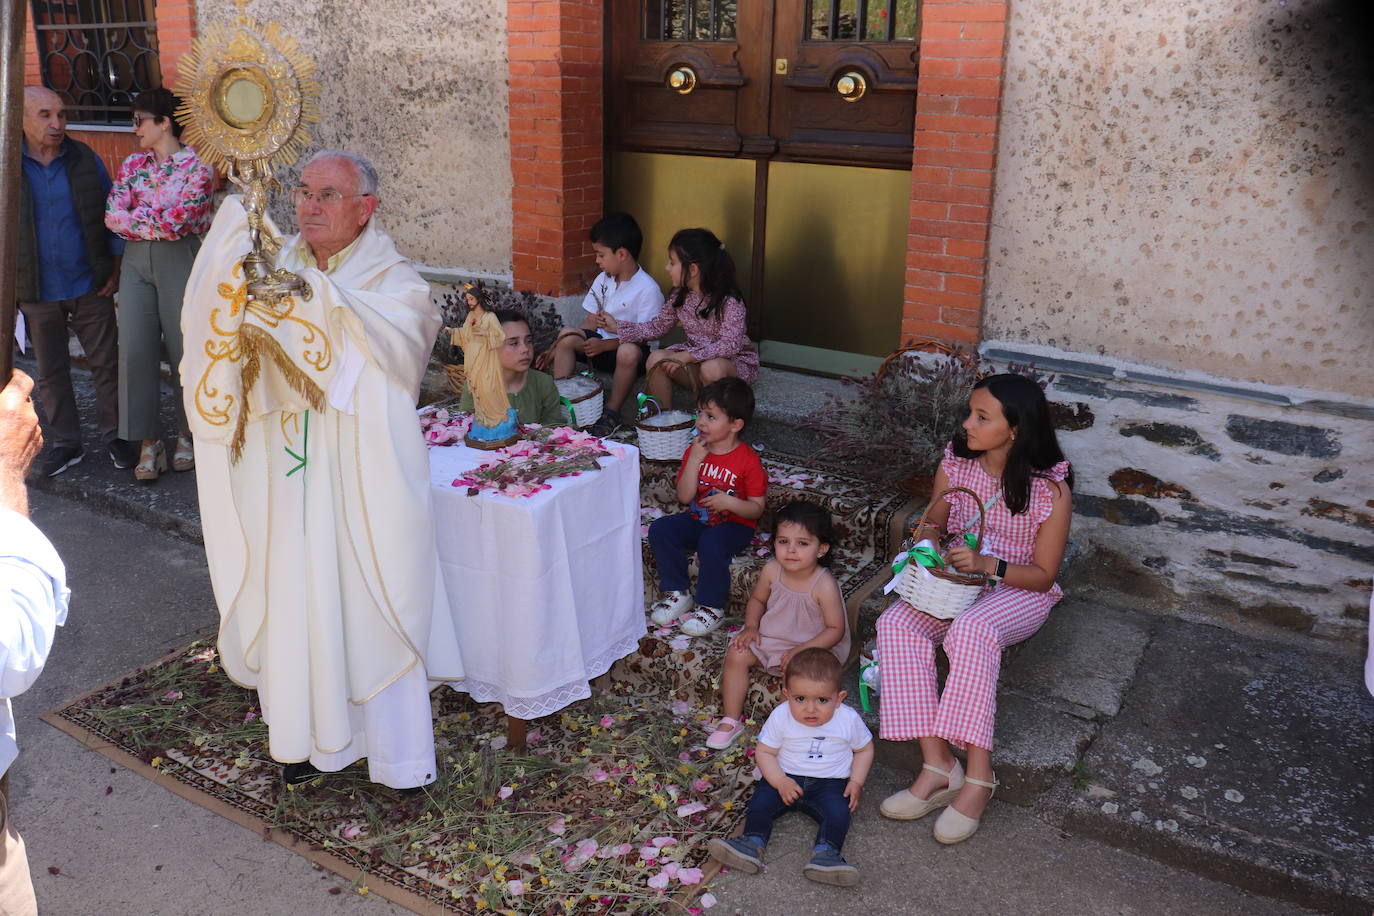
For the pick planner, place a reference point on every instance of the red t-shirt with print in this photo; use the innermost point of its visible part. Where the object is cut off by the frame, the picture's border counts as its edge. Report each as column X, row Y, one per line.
column 738, row 472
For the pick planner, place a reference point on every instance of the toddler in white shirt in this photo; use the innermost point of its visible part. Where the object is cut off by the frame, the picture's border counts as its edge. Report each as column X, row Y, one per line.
column 815, row 754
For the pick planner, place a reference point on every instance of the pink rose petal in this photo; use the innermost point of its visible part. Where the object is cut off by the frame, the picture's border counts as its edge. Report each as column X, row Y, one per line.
column 662, row 841
column 659, row 881
column 707, row 900
column 690, row 808
column 506, row 792
column 689, row 875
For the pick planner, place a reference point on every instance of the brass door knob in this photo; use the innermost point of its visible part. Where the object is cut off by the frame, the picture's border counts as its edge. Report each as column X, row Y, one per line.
column 682, row 80
column 851, row 86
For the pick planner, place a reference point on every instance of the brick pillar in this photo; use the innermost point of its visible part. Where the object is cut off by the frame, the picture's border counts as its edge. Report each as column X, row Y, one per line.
column 958, row 97
column 555, row 51
column 33, row 72
column 176, row 30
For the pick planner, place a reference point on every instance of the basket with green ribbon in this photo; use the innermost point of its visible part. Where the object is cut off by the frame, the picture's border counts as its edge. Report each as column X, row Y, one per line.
column 663, row 435
column 583, row 397
column 926, row 582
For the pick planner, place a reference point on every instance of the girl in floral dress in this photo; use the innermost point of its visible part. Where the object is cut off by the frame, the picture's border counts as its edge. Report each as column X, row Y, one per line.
column 1008, row 455
column 707, row 302
column 160, row 204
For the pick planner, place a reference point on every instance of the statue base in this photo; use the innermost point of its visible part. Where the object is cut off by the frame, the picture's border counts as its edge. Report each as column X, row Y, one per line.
column 487, row 438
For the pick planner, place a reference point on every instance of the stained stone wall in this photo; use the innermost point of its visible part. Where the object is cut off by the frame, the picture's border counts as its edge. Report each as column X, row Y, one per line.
column 1222, row 507
column 420, row 89
column 1188, row 184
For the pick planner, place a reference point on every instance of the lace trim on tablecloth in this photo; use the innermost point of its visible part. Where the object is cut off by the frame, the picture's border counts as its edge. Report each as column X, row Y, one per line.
column 556, row 699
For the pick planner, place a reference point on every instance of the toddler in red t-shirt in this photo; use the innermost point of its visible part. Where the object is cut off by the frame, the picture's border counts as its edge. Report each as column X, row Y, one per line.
column 723, row 482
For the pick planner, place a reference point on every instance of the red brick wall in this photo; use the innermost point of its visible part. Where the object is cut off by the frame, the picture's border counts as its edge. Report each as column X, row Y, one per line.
column 958, row 98
column 555, row 49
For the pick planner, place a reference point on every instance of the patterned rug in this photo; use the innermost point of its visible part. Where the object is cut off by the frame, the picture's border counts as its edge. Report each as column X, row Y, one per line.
column 610, row 811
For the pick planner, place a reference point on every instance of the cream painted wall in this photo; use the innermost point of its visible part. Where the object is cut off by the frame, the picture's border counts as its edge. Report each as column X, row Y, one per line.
column 420, row 89
column 1190, row 184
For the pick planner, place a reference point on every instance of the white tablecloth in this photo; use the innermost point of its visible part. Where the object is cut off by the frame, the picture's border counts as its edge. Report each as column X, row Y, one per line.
column 547, row 591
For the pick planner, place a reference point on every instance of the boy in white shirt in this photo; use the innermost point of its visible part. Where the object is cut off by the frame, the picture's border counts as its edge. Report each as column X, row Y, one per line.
column 626, row 292
column 815, row 754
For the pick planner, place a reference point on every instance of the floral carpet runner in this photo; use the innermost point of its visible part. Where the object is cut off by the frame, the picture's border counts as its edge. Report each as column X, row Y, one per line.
column 609, row 813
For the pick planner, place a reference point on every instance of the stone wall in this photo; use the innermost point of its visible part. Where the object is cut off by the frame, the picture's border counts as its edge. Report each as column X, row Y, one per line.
column 1227, row 506
column 420, row 89
column 1188, row 184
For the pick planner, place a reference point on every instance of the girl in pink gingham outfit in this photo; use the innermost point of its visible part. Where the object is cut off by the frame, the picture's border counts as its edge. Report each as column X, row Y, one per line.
column 707, row 303
column 1009, row 456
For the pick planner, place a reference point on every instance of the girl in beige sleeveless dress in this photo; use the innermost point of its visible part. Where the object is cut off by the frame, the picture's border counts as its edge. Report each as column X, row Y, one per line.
column 795, row 605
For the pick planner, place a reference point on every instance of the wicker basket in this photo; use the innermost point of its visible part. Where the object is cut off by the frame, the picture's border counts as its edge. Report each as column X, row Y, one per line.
column 669, row 438
column 457, row 375
column 943, row 593
column 582, row 409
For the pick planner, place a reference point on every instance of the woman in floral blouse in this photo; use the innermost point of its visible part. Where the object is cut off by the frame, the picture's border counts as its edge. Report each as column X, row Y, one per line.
column 161, row 205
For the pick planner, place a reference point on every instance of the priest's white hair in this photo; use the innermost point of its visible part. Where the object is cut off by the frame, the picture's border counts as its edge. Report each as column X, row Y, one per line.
column 367, row 173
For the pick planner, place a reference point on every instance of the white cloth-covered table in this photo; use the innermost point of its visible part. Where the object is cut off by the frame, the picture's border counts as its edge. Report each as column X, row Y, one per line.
column 546, row 591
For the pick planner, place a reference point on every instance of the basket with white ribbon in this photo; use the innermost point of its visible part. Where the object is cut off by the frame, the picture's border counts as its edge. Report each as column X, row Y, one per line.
column 923, row 580
column 583, row 397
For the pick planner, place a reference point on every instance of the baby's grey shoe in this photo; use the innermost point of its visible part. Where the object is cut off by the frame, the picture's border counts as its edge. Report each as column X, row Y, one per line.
column 828, row 867
column 737, row 852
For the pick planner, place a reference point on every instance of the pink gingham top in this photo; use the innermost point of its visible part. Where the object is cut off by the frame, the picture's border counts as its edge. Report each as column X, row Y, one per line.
column 723, row 336
column 161, row 203
column 1011, row 537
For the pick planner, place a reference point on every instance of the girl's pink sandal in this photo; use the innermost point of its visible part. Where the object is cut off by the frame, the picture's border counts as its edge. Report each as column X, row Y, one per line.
column 727, row 730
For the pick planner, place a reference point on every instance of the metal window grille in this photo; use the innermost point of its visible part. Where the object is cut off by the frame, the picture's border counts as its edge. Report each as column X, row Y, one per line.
column 689, row 20
column 862, row 20
column 98, row 54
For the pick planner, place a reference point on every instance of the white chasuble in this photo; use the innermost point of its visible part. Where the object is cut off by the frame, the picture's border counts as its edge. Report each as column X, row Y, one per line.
column 314, row 497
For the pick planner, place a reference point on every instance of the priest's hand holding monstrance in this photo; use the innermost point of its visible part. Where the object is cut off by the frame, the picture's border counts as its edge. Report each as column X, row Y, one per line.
column 252, row 348
column 249, row 95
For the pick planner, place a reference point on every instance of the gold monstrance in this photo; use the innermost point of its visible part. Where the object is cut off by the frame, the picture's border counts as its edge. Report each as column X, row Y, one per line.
column 248, row 95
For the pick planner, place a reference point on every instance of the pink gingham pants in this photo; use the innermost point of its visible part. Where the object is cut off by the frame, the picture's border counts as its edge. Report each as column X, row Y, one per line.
column 910, row 705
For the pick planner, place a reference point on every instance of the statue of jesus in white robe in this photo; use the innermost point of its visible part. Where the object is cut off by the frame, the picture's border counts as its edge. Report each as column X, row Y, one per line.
column 314, row 495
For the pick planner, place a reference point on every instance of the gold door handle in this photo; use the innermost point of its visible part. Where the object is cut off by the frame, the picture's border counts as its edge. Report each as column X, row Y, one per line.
column 682, row 80
column 851, row 86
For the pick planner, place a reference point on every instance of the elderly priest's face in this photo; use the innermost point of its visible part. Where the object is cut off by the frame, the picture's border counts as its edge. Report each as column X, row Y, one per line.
column 329, row 224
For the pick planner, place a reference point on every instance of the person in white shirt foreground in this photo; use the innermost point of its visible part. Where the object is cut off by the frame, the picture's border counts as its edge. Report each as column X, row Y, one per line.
column 815, row 754
column 33, row 604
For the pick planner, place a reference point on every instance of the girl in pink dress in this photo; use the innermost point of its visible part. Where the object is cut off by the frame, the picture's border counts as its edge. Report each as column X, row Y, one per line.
column 707, row 302
column 795, row 605
column 1008, row 455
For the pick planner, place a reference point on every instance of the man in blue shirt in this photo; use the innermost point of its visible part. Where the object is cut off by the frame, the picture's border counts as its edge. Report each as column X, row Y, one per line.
column 68, row 271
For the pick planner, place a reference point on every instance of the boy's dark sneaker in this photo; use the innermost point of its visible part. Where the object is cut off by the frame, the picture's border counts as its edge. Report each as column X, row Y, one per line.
column 123, row 455
column 828, row 867
column 61, row 458
column 607, row 424
column 737, row 852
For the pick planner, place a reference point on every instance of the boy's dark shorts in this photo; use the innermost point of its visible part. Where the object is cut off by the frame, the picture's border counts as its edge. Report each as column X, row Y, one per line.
column 605, row 362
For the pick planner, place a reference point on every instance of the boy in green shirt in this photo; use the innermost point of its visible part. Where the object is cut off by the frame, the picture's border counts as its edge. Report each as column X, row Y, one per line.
column 532, row 393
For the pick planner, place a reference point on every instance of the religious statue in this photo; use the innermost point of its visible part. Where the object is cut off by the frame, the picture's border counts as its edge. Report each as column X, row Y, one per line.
column 481, row 337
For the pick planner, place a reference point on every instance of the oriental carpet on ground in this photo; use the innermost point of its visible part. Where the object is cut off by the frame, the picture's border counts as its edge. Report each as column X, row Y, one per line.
column 608, row 813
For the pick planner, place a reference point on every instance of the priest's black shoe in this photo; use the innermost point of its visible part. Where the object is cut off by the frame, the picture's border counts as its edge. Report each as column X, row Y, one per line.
column 295, row 774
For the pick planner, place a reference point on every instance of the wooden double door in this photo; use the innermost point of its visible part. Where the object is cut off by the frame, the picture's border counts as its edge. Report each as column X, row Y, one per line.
column 785, row 126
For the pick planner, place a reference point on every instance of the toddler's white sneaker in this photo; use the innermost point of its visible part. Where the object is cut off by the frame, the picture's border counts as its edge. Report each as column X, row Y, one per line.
column 670, row 607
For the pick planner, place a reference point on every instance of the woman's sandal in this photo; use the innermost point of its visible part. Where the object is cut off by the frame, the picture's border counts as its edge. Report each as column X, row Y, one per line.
column 953, row 826
column 152, row 461
column 703, row 620
column 904, row 806
column 727, row 730
column 184, row 458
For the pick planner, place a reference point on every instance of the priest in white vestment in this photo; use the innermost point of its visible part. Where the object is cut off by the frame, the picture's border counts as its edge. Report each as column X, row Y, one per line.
column 314, row 482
